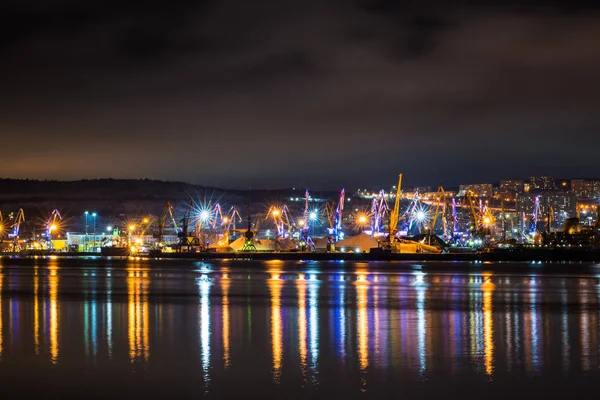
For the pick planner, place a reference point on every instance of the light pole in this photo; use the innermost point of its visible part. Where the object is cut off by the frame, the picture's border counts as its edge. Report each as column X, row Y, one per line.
column 94, row 215
column 85, row 243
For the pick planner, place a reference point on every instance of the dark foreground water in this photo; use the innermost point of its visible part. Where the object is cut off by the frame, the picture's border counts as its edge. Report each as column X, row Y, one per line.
column 233, row 329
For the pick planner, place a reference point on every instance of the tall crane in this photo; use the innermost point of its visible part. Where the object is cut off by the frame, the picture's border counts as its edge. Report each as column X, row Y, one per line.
column 473, row 220
column 378, row 210
column 230, row 218
column 162, row 222
column 16, row 227
column 395, row 215
column 440, row 210
column 329, row 211
column 281, row 219
column 52, row 225
column 337, row 231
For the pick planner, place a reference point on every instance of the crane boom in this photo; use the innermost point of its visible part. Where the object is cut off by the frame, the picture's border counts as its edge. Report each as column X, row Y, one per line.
column 396, row 212
column 440, row 206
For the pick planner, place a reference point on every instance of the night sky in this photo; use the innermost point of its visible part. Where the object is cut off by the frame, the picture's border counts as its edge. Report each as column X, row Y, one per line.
column 282, row 93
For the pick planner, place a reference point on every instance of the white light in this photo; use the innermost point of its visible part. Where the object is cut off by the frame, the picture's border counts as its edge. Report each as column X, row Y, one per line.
column 420, row 215
column 204, row 215
column 109, row 228
column 357, row 250
column 312, row 216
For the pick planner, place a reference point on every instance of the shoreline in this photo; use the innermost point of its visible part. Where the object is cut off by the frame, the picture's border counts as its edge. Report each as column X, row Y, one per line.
column 497, row 255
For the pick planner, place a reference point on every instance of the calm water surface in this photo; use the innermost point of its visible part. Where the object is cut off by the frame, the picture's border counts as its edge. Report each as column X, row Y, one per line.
column 129, row 329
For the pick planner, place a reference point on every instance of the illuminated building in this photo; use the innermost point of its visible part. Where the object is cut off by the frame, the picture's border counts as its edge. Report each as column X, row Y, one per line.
column 564, row 205
column 585, row 188
column 480, row 189
column 512, row 186
column 541, row 183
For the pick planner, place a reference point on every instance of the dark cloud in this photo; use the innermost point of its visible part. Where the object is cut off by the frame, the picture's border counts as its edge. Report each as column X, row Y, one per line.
column 319, row 93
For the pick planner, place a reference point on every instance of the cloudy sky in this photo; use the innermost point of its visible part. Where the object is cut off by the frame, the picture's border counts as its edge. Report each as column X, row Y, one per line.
column 317, row 93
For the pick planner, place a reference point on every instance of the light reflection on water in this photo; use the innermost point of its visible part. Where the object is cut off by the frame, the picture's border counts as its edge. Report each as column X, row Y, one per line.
column 306, row 325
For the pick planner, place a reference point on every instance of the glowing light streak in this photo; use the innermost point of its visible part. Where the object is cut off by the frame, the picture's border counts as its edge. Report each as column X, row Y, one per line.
column 488, row 330
column 584, row 331
column 138, row 316
column 313, row 314
column 342, row 318
column 204, row 327
column 421, row 328
column 109, row 317
column 275, row 286
column 54, row 316
column 225, row 321
column 362, row 290
column 566, row 347
column 302, row 325
column 36, row 313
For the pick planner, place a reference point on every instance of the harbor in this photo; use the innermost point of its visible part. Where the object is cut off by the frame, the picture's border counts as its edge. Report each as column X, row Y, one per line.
column 474, row 223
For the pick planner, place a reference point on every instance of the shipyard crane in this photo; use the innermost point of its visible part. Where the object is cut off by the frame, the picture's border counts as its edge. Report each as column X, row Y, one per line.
column 52, row 224
column 16, row 227
column 145, row 224
column 441, row 210
column 337, row 231
column 185, row 238
column 217, row 215
column 162, row 222
column 229, row 220
column 378, row 209
column 305, row 239
column 469, row 197
column 395, row 215
column 329, row 211
column 281, row 219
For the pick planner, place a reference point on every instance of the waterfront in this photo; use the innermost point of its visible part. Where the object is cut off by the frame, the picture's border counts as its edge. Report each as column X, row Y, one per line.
column 145, row 328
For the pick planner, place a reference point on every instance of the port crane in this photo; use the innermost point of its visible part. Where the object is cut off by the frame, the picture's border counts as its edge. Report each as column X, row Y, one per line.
column 378, row 209
column 185, row 238
column 337, row 231
column 395, row 215
column 306, row 241
column 52, row 225
column 230, row 218
column 441, row 210
column 167, row 216
column 16, row 227
column 281, row 219
column 329, row 211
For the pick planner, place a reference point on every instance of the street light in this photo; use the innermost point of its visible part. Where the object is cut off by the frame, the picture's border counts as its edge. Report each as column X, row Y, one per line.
column 94, row 215
column 85, row 245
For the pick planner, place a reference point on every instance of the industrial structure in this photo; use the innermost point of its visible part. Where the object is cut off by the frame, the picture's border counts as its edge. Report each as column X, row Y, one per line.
column 476, row 216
